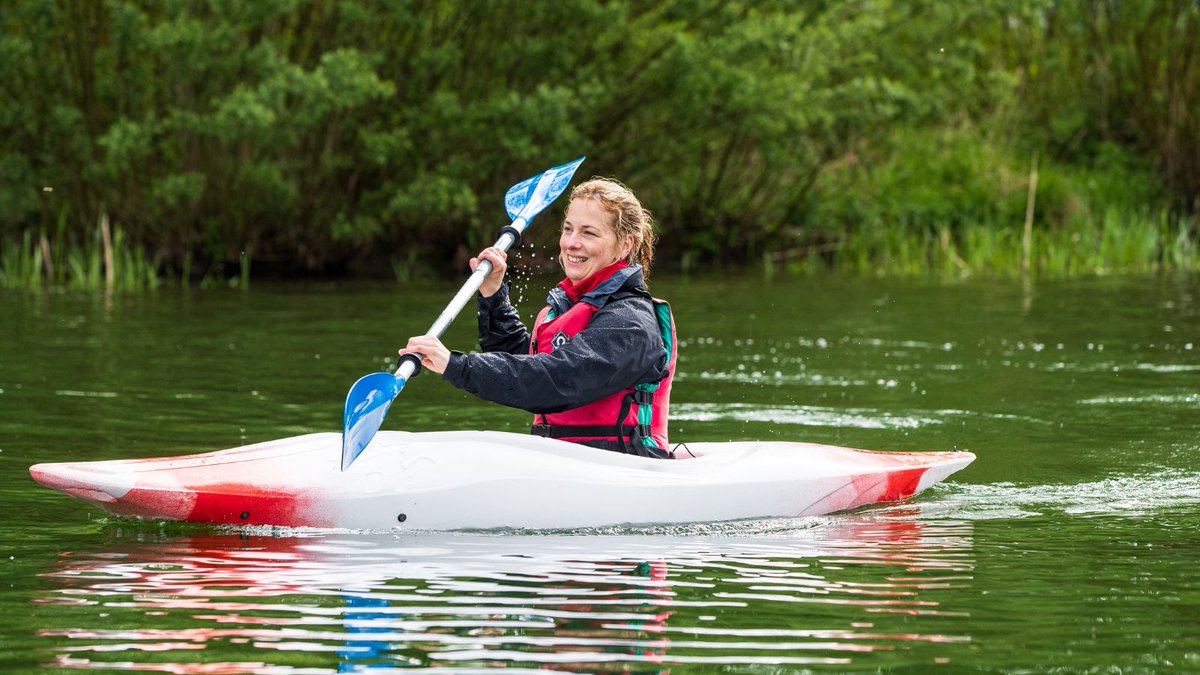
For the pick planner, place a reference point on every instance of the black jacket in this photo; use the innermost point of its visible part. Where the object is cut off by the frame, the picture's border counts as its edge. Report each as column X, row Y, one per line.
column 620, row 348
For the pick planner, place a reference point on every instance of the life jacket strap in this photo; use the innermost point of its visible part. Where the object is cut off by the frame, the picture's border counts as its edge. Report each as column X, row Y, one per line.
column 581, row 431
column 628, row 438
column 635, row 443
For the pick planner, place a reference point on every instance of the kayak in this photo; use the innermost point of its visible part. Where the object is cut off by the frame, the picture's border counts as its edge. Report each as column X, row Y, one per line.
column 487, row 479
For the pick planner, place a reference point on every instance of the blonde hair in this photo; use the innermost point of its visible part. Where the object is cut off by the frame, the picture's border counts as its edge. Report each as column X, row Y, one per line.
column 630, row 219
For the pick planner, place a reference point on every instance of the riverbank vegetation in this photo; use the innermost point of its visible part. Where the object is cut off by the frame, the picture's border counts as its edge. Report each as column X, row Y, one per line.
column 365, row 138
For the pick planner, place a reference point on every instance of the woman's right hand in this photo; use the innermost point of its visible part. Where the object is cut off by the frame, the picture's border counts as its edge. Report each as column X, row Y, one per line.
column 495, row 278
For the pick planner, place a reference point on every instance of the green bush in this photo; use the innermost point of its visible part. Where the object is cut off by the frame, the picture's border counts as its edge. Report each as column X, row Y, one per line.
column 309, row 136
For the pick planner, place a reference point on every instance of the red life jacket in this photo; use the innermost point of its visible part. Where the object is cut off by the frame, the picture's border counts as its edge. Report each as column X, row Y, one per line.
column 640, row 411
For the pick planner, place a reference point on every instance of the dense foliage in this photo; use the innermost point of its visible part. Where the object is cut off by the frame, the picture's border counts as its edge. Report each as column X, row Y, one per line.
column 358, row 136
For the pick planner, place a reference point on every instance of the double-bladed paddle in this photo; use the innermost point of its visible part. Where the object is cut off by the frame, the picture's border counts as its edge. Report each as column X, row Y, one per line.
column 369, row 399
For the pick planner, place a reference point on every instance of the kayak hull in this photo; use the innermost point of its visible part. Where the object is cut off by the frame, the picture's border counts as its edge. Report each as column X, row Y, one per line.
column 484, row 479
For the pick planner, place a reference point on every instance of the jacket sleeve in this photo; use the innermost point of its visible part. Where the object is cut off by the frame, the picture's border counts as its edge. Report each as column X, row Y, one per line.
column 500, row 327
column 621, row 347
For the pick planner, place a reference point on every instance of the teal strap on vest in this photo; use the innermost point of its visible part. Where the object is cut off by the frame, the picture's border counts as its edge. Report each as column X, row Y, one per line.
column 663, row 312
column 645, row 411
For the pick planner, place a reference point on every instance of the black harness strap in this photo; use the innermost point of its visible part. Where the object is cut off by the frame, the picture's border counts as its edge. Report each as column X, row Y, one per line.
column 640, row 431
column 579, row 431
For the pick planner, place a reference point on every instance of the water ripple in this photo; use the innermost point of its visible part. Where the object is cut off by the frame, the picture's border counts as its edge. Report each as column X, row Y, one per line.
column 231, row 603
column 1189, row 399
column 1123, row 495
column 818, row 416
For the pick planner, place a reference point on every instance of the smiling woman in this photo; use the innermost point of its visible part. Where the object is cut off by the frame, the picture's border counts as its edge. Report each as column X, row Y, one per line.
column 588, row 243
column 605, row 221
column 598, row 365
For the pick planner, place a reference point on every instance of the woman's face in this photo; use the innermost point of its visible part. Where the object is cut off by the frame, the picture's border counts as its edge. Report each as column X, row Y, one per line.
column 588, row 242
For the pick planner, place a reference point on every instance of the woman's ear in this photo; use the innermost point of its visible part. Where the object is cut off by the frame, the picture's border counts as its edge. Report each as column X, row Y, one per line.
column 628, row 248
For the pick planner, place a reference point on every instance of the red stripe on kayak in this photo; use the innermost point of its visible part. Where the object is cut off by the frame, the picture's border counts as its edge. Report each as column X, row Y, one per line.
column 233, row 505
column 149, row 504
column 902, row 484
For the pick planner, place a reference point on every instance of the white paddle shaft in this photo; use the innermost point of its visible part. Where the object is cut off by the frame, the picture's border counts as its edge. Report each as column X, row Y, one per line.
column 470, row 288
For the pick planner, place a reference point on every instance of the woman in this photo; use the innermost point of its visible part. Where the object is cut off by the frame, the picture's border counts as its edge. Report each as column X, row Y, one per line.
column 598, row 366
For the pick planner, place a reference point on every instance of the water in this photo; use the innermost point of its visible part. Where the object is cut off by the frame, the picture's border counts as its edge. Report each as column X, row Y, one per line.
column 1069, row 546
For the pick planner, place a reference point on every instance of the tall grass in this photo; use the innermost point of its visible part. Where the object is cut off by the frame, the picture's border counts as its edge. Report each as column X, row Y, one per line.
column 1119, row 242
column 407, row 268
column 21, row 264
column 953, row 202
column 41, row 260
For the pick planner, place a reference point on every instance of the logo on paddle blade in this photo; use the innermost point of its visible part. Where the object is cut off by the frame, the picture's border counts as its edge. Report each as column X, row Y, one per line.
column 559, row 340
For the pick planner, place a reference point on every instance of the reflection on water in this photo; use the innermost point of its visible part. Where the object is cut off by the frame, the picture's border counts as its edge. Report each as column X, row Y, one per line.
column 819, row 416
column 821, row 591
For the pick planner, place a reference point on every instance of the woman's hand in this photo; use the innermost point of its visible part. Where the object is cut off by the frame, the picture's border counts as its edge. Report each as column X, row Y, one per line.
column 433, row 353
column 495, row 278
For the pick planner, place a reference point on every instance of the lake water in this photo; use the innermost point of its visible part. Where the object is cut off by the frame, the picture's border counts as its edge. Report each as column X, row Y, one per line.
column 1072, row 544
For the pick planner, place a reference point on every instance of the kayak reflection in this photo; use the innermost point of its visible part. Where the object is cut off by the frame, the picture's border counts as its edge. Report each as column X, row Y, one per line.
column 600, row 618
column 779, row 592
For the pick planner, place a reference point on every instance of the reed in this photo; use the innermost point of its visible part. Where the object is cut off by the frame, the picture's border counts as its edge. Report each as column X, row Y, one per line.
column 101, row 262
column 406, row 269
column 1120, row 242
column 21, row 264
column 242, row 280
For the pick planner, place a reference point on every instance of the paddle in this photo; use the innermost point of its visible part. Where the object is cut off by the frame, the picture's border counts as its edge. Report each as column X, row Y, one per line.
column 369, row 399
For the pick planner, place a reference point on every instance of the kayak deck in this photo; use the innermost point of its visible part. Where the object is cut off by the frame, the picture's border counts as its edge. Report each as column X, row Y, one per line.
column 486, row 479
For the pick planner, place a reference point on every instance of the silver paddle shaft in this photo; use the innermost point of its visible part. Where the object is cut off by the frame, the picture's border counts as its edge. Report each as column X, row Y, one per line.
column 464, row 295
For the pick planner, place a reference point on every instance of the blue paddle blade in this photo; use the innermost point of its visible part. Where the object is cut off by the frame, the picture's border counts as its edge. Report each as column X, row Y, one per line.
column 530, row 196
column 366, row 406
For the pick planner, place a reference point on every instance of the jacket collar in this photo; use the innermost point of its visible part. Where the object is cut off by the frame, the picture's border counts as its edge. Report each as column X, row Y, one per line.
column 631, row 277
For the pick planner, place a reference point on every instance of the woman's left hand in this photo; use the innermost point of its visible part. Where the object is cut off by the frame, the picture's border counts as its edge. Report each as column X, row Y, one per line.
column 433, row 353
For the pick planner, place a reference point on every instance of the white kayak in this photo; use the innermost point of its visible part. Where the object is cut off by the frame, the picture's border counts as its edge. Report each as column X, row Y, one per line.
column 487, row 479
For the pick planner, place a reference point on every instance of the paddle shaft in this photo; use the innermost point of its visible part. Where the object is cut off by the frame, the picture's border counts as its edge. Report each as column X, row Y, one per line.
column 407, row 367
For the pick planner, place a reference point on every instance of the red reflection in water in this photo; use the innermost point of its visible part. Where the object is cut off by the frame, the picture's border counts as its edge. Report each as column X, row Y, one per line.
column 353, row 608
column 226, row 668
column 323, row 603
